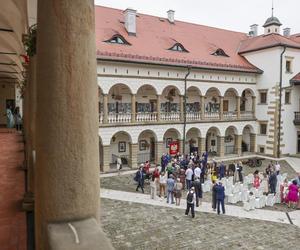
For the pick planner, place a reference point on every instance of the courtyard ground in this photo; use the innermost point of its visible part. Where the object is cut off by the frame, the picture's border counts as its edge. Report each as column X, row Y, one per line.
column 140, row 226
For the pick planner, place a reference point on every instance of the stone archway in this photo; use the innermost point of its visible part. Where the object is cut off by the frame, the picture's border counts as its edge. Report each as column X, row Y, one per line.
column 171, row 135
column 193, row 141
column 231, row 141
column 120, row 146
column 248, row 140
column 147, row 141
column 214, row 142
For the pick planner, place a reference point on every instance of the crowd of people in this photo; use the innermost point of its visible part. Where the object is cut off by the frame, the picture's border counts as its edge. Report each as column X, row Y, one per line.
column 178, row 173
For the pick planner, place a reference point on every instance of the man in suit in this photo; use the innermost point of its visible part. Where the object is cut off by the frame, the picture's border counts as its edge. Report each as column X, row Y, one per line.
column 139, row 177
column 222, row 170
column 220, row 193
column 198, row 190
column 273, row 182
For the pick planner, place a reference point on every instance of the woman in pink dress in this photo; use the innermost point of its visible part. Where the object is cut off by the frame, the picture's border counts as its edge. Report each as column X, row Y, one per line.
column 292, row 196
column 256, row 181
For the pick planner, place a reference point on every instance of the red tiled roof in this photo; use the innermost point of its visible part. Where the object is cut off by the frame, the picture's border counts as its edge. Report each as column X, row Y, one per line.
column 266, row 41
column 156, row 35
column 296, row 78
column 295, row 38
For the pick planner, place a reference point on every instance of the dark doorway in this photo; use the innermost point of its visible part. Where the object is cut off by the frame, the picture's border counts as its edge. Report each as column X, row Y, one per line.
column 152, row 149
column 298, row 142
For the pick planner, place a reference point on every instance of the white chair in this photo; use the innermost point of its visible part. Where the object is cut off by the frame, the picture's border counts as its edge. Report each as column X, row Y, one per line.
column 230, row 180
column 270, row 200
column 277, row 198
column 252, row 202
column 236, row 188
column 246, row 206
column 262, row 201
column 259, row 193
column 245, row 195
column 257, row 203
column 233, row 198
column 228, row 190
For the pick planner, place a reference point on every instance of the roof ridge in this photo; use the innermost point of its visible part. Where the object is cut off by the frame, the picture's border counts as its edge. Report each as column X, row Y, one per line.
column 179, row 21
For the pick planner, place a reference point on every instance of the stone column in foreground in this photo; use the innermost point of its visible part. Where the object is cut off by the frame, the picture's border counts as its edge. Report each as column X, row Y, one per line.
column 67, row 147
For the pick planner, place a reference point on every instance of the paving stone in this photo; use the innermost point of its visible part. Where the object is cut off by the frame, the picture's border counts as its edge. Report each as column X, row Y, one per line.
column 150, row 227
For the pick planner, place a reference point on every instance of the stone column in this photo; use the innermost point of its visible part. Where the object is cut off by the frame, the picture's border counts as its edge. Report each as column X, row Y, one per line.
column 238, row 106
column 106, row 158
column 254, row 105
column 202, row 103
column 221, row 107
column 181, row 147
column 181, row 108
column 105, row 108
column 159, row 149
column 133, row 149
column 28, row 202
column 238, row 144
column 220, row 146
column 67, row 144
column 133, row 108
column 201, row 145
column 252, row 143
column 158, row 108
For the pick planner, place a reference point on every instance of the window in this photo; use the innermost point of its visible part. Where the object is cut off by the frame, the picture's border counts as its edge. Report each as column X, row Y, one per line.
column 178, row 47
column 263, row 97
column 263, row 128
column 220, row 52
column 287, row 97
column 288, row 66
column 261, row 150
column 118, row 39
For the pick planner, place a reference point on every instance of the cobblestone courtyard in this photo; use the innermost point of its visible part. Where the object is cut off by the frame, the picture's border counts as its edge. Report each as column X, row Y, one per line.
column 138, row 226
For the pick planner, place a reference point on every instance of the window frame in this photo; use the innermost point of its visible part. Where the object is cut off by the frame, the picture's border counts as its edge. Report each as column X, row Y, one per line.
column 287, row 91
column 117, row 36
column 260, row 99
column 263, row 123
column 178, row 45
column 220, row 52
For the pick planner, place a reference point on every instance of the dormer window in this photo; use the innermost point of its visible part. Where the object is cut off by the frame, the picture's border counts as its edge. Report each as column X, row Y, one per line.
column 178, row 47
column 118, row 39
column 220, row 52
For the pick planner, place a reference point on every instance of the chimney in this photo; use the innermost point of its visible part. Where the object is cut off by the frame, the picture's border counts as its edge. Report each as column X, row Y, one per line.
column 287, row 31
column 130, row 21
column 253, row 30
column 171, row 16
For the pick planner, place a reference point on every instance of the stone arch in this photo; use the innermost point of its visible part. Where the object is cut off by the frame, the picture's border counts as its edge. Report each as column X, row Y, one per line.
column 147, row 151
column 120, row 144
column 146, row 103
column 213, row 141
column 121, row 85
column 170, row 135
column 213, row 89
column 248, row 139
column 170, row 101
column 231, row 141
column 247, row 101
column 149, row 86
column 193, row 140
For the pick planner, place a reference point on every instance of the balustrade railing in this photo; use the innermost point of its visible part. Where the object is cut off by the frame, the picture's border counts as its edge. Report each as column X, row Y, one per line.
column 146, row 117
column 170, row 116
column 193, row 116
column 247, row 114
column 114, row 118
column 119, row 117
column 212, row 115
column 230, row 115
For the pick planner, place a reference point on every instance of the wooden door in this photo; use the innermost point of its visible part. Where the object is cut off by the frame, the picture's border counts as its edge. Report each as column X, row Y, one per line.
column 225, row 106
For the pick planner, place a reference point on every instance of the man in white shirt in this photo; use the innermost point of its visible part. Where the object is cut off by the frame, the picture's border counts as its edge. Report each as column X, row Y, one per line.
column 188, row 177
column 197, row 172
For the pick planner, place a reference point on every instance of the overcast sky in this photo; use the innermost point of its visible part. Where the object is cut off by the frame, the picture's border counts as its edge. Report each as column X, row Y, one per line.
column 235, row 15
